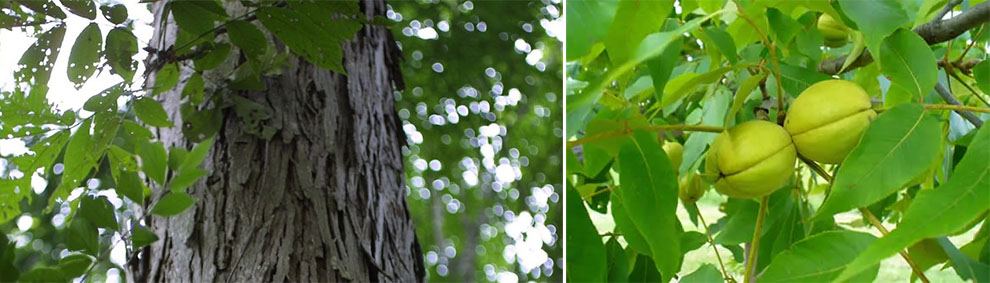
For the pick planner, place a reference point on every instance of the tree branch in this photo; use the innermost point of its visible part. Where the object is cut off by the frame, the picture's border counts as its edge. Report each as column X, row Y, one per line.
column 933, row 32
column 948, row 8
column 950, row 99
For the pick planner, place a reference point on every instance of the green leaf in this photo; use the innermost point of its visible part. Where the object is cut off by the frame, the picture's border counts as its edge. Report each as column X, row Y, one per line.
column 151, row 112
column 692, row 240
column 120, row 50
column 99, row 211
column 662, row 66
column 35, row 66
column 649, row 190
column 678, row 87
column 78, row 161
column 197, row 155
column 713, row 114
column 192, row 18
column 625, row 225
column 644, row 270
column 115, row 14
column 738, row 223
column 130, row 186
column 901, row 144
column 585, row 250
column 820, row 258
column 706, row 273
column 186, row 178
column 652, row 45
column 316, row 39
column 75, row 265
column 587, row 24
column 634, row 20
column 907, row 59
column 194, row 89
column 85, row 55
column 213, row 58
column 795, row 79
column 618, row 262
column 141, row 236
column 106, row 100
column 248, row 38
column 940, row 211
column 43, row 275
column 808, row 42
column 166, row 78
column 981, row 72
column 745, row 88
column 172, row 204
column 875, row 19
column 784, row 27
column 723, row 41
column 83, row 237
column 965, row 267
column 83, row 8
column 153, row 160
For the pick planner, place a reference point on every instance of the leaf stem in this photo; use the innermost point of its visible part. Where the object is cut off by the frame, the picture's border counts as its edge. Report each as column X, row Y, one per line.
column 876, row 223
column 607, row 189
column 755, row 246
column 711, row 241
column 629, row 130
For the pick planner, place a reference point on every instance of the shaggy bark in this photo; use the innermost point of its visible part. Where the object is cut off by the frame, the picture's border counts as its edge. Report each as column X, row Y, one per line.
column 321, row 201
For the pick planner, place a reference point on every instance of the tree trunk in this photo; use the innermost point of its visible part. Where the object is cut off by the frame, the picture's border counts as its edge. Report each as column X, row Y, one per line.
column 323, row 200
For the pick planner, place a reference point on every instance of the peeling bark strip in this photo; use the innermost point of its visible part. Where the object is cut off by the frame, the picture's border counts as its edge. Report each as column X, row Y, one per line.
column 321, row 201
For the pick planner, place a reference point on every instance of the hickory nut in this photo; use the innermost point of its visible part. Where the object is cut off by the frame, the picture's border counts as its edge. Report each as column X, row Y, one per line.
column 828, row 119
column 752, row 159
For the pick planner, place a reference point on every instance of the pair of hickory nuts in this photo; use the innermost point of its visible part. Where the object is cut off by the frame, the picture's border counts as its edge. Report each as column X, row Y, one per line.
column 755, row 158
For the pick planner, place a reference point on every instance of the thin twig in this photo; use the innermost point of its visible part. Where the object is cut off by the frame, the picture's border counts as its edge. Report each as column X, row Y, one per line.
column 971, row 90
column 957, row 106
column 711, row 241
column 607, row 189
column 609, row 134
column 755, row 246
column 876, row 223
column 948, row 8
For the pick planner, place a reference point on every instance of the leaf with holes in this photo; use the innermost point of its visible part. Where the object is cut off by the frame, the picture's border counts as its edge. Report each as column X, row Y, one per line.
column 85, row 55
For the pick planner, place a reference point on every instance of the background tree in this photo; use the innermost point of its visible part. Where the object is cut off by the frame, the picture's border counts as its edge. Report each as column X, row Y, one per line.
column 644, row 75
column 481, row 111
column 273, row 121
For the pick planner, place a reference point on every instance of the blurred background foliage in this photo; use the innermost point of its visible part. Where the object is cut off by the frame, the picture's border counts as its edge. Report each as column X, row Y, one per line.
column 481, row 111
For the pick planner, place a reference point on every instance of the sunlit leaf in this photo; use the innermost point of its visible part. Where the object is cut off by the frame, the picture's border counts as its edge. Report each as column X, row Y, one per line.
column 909, row 62
column 588, row 24
column 820, row 258
column 941, row 211
column 634, row 20
column 875, row 19
column 706, row 273
column 898, row 146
